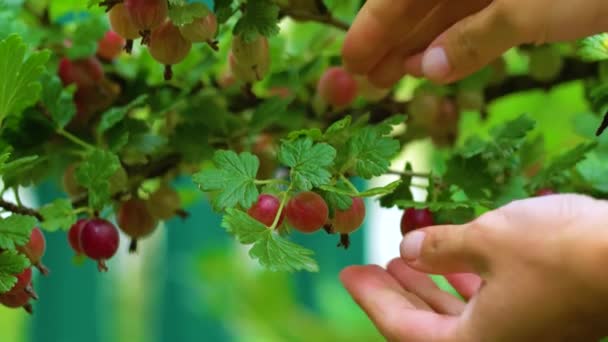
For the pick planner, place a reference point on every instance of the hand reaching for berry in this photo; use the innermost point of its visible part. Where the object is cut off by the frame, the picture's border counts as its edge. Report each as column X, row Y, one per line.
column 446, row 40
column 531, row 271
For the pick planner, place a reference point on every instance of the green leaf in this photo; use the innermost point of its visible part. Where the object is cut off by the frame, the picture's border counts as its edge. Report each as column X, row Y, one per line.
column 233, row 179
column 594, row 48
column 314, row 134
column 11, row 263
column 594, row 170
column 19, row 85
column 260, row 17
column 223, row 10
column 401, row 192
column 115, row 115
column 471, row 175
column 271, row 250
column 339, row 126
column 57, row 100
column 561, row 164
column 186, row 13
column 15, row 230
column 94, row 174
column 387, row 189
column 309, row 162
column 267, row 113
column 386, row 126
column 58, row 215
column 515, row 189
column 371, row 153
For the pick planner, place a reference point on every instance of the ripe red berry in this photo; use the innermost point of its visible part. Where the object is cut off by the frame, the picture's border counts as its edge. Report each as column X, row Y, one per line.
column 249, row 60
column 164, row 203
column 415, row 219
column 201, row 30
column 35, row 249
column 110, row 46
column 307, row 212
column 168, row 46
column 24, row 280
column 99, row 240
column 135, row 220
column 74, row 235
column 20, row 300
column 121, row 23
column 337, row 87
column 265, row 210
column 147, row 15
column 545, row 192
column 349, row 220
column 82, row 72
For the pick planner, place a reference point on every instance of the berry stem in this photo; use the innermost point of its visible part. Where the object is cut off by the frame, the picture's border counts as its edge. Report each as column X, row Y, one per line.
column 168, row 72
column 281, row 208
column 133, row 246
column 17, row 197
column 350, row 185
column 129, row 46
column 76, row 140
column 271, row 181
column 43, row 269
column 101, row 266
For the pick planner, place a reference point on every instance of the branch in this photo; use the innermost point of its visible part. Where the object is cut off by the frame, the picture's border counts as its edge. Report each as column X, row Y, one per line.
column 327, row 18
column 13, row 208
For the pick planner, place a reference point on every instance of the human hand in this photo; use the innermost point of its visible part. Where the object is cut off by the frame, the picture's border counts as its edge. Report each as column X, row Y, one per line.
column 446, row 40
column 533, row 270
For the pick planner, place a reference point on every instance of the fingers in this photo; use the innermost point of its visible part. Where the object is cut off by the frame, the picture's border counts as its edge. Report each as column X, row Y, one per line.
column 382, row 26
column 466, row 284
column 423, row 286
column 394, row 314
column 447, row 249
column 470, row 44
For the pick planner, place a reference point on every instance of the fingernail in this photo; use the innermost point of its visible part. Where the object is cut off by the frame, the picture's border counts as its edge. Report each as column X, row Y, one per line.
column 435, row 64
column 412, row 245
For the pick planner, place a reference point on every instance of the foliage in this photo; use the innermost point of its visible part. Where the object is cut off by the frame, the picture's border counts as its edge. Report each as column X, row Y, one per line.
column 136, row 125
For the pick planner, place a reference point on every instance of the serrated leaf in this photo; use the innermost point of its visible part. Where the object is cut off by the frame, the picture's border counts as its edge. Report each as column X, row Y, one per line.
column 57, row 100
column 267, row 113
column 94, row 174
column 386, row 126
column 371, row 153
column 594, row 48
column 58, row 215
column 11, row 263
column 261, row 17
column 114, row 115
column 20, row 82
column 309, row 162
column 233, row 179
column 186, row 13
column 15, row 230
column 314, row 134
column 271, row 250
column 339, row 126
column 401, row 192
column 562, row 163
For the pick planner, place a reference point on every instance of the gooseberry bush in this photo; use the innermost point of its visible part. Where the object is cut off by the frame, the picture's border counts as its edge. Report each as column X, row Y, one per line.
column 250, row 101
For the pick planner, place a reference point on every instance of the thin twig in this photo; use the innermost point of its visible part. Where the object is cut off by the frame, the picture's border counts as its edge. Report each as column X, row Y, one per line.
column 13, row 208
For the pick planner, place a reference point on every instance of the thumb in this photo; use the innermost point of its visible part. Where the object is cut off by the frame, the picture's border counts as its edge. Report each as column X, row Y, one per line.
column 470, row 44
column 447, row 249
